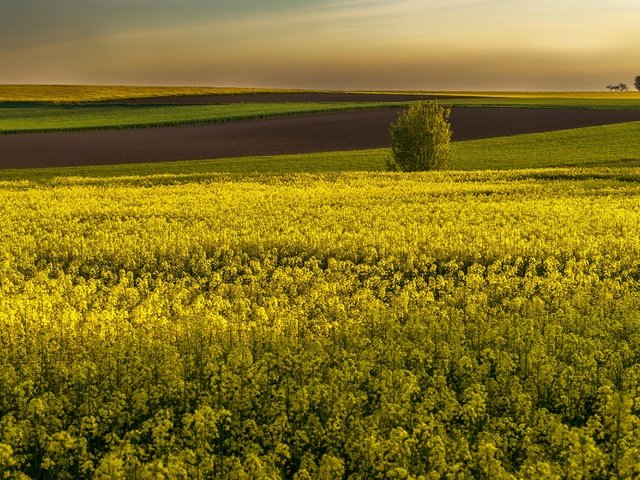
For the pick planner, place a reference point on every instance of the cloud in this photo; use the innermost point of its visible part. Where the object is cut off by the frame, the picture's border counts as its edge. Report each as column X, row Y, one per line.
column 27, row 23
column 332, row 43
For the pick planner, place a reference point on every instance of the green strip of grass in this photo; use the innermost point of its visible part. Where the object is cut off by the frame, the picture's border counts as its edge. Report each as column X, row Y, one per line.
column 511, row 94
column 580, row 103
column 67, row 118
column 605, row 146
column 615, row 145
column 94, row 117
column 356, row 160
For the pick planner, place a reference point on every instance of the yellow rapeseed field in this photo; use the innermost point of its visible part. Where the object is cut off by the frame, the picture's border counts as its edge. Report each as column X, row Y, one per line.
column 93, row 93
column 97, row 93
column 362, row 326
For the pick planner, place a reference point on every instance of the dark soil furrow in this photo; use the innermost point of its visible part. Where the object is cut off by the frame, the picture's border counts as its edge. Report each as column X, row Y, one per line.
column 298, row 134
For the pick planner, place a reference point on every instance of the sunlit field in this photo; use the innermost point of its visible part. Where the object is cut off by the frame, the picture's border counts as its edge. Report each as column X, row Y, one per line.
column 354, row 264
column 603, row 146
column 93, row 93
column 312, row 316
column 630, row 94
column 364, row 325
column 97, row 117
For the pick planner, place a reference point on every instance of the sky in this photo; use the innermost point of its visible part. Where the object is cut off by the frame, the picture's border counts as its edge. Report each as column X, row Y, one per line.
column 332, row 44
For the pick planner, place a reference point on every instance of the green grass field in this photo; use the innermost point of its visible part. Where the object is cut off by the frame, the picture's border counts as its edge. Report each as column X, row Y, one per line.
column 95, row 117
column 517, row 94
column 631, row 102
column 18, row 118
column 37, row 108
column 603, row 146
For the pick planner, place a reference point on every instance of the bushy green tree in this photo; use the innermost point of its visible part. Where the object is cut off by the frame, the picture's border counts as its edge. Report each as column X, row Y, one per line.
column 637, row 83
column 420, row 139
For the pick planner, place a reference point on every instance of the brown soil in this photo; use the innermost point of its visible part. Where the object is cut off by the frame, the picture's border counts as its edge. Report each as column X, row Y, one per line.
column 302, row 97
column 298, row 134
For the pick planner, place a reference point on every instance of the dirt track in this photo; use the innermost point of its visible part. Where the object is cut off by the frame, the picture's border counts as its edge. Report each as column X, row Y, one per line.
column 299, row 134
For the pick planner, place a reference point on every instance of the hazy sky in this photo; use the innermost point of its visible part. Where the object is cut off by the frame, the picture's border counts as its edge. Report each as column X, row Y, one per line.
column 431, row 44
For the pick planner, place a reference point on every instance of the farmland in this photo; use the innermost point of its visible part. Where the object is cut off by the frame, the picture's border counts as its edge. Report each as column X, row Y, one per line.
column 308, row 315
column 601, row 146
column 367, row 325
column 97, row 117
column 100, row 93
column 22, row 117
column 73, row 94
column 310, row 133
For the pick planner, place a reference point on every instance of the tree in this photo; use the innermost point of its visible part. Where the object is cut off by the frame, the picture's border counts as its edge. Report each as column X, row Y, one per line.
column 637, row 83
column 420, row 139
column 621, row 87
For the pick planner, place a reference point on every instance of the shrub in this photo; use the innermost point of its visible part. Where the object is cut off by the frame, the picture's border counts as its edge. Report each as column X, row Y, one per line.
column 637, row 82
column 420, row 139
